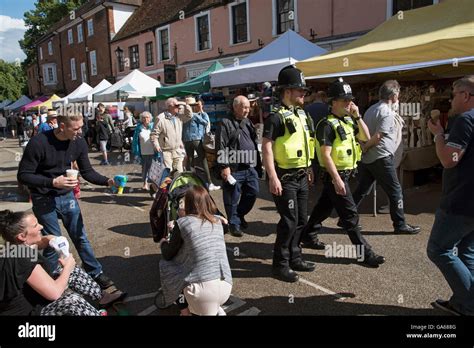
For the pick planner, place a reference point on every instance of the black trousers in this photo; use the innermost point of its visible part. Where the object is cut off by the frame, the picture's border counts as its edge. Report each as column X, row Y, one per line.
column 383, row 170
column 190, row 146
column 292, row 206
column 345, row 208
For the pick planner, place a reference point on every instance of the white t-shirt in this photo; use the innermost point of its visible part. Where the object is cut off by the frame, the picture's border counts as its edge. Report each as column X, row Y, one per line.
column 146, row 146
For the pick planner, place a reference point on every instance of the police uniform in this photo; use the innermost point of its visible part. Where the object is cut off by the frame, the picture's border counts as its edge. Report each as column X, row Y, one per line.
column 339, row 133
column 292, row 133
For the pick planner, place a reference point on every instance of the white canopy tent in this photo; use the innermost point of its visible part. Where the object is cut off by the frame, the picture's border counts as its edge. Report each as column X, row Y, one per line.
column 87, row 95
column 265, row 64
column 83, row 88
column 23, row 100
column 136, row 85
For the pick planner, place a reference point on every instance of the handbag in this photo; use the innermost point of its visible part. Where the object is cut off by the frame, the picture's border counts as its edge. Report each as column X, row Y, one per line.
column 157, row 169
column 209, row 142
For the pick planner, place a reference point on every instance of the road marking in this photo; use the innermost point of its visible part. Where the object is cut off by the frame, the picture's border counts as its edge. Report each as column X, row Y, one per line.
column 137, row 208
column 13, row 152
column 320, row 288
column 148, row 311
column 140, row 297
column 251, row 312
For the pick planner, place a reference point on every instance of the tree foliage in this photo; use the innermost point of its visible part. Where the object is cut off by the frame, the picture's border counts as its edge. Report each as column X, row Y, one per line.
column 39, row 20
column 12, row 81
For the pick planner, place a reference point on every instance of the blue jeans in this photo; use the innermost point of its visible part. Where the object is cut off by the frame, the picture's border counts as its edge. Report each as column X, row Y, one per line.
column 457, row 265
column 240, row 198
column 383, row 170
column 48, row 210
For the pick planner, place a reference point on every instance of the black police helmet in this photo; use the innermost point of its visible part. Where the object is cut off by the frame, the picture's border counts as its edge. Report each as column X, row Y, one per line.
column 290, row 77
column 340, row 90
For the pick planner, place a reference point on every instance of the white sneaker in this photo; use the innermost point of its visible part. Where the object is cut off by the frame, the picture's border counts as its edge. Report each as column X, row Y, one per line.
column 213, row 187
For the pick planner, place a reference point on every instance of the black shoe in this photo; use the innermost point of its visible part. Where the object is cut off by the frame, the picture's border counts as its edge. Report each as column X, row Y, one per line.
column 445, row 306
column 407, row 229
column 285, row 275
column 302, row 266
column 103, row 281
column 373, row 260
column 235, row 231
column 316, row 245
column 243, row 224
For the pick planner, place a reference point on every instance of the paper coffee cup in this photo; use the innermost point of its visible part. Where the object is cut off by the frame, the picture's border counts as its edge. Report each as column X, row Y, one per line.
column 435, row 115
column 72, row 173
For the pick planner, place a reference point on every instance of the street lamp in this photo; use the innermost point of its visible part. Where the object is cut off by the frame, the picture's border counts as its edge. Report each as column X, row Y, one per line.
column 118, row 52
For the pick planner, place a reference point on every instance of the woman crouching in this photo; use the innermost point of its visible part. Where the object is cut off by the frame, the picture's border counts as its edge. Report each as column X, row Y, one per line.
column 195, row 259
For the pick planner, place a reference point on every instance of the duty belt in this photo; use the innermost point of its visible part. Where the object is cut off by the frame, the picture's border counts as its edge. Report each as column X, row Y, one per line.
column 293, row 174
column 342, row 173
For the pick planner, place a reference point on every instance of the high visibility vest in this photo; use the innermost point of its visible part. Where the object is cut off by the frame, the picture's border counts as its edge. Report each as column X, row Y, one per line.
column 295, row 149
column 345, row 153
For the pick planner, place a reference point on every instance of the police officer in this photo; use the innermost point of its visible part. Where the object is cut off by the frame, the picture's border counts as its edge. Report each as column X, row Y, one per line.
column 288, row 147
column 338, row 152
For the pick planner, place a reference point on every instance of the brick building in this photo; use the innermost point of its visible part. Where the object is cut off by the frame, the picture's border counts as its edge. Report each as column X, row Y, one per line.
column 76, row 49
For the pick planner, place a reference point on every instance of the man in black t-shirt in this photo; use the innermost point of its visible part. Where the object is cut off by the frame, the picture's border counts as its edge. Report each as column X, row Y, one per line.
column 43, row 169
column 451, row 244
column 239, row 163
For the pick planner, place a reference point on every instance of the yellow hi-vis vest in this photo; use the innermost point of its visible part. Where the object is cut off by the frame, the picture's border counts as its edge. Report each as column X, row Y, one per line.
column 294, row 150
column 345, row 153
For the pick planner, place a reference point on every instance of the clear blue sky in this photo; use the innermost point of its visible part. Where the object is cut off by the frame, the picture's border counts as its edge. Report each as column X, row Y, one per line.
column 16, row 8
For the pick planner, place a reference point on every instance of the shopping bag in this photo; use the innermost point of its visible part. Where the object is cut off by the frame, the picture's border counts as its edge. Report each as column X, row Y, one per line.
column 157, row 169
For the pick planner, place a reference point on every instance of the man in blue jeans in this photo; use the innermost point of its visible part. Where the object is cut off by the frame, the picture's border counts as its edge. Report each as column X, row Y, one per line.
column 378, row 158
column 43, row 169
column 451, row 244
column 239, row 163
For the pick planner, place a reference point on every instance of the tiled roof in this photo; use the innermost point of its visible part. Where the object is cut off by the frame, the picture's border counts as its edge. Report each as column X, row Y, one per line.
column 155, row 13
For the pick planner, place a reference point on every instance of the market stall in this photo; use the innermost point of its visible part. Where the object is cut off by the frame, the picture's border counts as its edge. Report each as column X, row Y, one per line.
column 23, row 100
column 34, row 103
column 86, row 96
column 265, row 64
column 82, row 89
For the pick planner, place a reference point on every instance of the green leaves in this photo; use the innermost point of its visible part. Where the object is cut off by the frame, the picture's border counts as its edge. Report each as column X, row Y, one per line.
column 12, row 81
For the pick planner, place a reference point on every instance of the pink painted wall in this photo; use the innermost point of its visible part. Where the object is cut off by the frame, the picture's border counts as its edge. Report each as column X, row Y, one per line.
column 327, row 18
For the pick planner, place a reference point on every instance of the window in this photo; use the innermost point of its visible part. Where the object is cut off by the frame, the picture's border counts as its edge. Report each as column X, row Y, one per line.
column 93, row 60
column 405, row 5
column 203, row 32
column 70, row 38
column 49, row 74
column 149, row 53
column 134, row 57
column 120, row 61
column 73, row 69
column 239, row 23
column 90, row 28
column 164, row 43
column 41, row 53
column 50, row 48
column 83, row 72
column 80, row 35
column 285, row 12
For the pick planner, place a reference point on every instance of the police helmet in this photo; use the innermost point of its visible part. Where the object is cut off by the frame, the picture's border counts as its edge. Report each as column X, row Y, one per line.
column 291, row 77
column 340, row 90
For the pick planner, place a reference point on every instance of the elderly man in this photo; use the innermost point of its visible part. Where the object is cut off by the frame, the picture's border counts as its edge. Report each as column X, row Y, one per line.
column 378, row 159
column 451, row 244
column 51, row 122
column 167, row 133
column 238, row 160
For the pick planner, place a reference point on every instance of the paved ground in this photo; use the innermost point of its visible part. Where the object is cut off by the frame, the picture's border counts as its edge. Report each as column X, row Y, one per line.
column 119, row 231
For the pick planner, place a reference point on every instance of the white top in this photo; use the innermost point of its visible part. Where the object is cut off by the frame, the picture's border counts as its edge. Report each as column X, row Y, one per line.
column 146, row 146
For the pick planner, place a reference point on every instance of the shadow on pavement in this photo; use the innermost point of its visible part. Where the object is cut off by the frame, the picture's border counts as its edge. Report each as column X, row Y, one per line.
column 120, row 200
column 141, row 230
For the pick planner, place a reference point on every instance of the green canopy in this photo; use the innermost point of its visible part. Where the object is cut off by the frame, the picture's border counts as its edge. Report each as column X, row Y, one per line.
column 196, row 85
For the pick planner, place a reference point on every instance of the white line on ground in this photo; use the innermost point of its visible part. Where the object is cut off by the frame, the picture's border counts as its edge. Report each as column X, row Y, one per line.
column 250, row 312
column 137, row 208
column 320, row 288
column 13, row 152
column 139, row 297
column 148, row 311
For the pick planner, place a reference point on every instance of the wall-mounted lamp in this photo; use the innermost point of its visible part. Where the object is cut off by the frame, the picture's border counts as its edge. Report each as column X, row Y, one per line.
column 261, row 43
column 221, row 51
column 118, row 52
column 312, row 33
